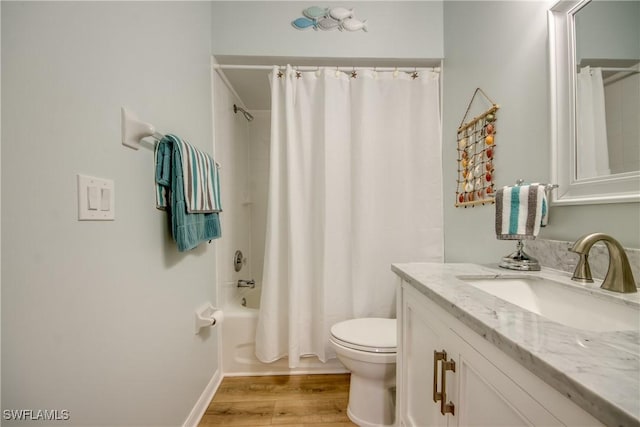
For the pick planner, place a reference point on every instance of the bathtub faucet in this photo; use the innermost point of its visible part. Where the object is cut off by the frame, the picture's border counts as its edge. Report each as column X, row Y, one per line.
column 246, row 283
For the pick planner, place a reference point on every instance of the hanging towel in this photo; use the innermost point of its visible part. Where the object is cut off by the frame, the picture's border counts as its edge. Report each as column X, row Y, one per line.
column 520, row 211
column 201, row 179
column 188, row 187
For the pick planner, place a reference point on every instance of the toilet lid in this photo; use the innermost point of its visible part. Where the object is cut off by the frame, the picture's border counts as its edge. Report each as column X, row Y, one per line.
column 368, row 334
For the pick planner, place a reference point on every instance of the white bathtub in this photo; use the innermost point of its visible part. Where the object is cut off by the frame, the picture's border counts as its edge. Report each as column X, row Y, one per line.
column 238, row 344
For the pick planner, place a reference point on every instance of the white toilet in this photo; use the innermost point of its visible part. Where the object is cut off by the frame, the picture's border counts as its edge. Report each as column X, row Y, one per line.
column 367, row 347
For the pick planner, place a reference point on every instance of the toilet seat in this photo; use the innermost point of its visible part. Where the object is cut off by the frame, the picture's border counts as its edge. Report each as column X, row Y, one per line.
column 371, row 335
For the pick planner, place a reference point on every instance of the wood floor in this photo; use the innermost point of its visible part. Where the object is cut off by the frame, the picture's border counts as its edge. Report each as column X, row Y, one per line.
column 291, row 401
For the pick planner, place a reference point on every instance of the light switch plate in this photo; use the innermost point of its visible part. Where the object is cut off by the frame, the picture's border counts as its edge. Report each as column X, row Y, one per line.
column 105, row 192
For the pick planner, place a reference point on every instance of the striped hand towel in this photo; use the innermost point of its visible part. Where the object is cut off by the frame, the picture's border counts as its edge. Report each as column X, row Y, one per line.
column 520, row 211
column 201, row 179
column 187, row 187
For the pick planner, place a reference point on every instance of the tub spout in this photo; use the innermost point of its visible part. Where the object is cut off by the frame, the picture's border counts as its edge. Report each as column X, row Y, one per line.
column 246, row 283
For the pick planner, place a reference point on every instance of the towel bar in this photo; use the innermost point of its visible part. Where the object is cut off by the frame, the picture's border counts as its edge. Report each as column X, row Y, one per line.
column 134, row 130
column 547, row 187
column 547, row 190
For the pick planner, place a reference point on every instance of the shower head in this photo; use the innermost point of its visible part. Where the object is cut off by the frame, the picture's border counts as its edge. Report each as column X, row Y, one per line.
column 244, row 112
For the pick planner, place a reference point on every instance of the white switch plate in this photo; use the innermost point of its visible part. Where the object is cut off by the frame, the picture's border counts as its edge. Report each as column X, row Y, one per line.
column 105, row 192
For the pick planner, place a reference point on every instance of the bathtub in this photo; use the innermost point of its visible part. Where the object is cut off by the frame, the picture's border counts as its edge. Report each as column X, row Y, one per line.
column 238, row 343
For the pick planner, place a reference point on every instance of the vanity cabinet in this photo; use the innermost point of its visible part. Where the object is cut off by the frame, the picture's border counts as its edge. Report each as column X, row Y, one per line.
column 481, row 385
column 418, row 368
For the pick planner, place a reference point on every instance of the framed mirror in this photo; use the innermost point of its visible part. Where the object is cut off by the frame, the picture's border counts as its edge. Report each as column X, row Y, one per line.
column 595, row 101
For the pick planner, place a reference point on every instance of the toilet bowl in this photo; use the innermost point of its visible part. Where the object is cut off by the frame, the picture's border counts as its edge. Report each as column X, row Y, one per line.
column 367, row 348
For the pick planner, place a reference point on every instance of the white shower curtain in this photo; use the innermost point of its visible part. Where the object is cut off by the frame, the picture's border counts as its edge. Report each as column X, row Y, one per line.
column 592, row 147
column 355, row 184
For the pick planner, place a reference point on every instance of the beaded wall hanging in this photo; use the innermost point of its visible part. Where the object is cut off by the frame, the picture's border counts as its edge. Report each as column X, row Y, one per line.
column 476, row 151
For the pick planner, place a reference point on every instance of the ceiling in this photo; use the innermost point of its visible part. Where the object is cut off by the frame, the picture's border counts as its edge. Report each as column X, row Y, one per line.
column 252, row 86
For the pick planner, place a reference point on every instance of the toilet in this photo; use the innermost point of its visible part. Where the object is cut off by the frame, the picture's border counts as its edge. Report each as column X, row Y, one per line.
column 367, row 348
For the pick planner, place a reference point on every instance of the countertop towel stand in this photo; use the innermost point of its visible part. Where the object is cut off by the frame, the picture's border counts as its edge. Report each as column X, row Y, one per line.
column 520, row 260
column 547, row 189
column 134, row 130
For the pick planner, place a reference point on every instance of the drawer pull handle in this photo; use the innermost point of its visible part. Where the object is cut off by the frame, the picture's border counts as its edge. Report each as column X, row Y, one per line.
column 437, row 356
column 446, row 408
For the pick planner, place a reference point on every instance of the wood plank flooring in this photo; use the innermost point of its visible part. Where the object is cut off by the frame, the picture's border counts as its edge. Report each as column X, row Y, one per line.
column 291, row 401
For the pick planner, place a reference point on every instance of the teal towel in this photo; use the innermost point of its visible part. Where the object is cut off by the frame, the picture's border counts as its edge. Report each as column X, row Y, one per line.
column 188, row 229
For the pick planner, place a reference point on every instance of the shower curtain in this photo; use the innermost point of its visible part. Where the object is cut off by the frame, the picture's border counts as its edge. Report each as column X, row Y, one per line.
column 355, row 184
column 592, row 148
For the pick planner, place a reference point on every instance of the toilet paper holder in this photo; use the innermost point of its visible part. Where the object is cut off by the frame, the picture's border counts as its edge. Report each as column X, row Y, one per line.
column 207, row 316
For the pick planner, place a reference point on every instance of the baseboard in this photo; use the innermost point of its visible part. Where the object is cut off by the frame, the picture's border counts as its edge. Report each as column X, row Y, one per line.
column 203, row 402
column 292, row 372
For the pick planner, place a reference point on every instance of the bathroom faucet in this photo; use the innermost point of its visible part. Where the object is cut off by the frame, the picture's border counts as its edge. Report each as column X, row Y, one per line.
column 246, row 283
column 619, row 277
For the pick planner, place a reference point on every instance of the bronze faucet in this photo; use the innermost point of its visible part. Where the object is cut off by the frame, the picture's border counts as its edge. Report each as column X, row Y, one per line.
column 619, row 277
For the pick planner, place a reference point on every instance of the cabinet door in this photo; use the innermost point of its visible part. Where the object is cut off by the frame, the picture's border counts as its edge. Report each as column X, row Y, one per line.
column 485, row 396
column 418, row 340
column 481, row 393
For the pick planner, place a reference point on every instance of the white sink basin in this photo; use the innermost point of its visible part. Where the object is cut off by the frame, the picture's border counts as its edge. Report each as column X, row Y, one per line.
column 559, row 302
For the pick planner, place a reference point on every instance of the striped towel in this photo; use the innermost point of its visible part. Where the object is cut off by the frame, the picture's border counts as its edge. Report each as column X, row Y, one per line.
column 200, row 176
column 520, row 211
column 187, row 187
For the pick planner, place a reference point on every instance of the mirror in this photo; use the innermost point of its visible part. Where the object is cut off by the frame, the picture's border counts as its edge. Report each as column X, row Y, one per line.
column 595, row 101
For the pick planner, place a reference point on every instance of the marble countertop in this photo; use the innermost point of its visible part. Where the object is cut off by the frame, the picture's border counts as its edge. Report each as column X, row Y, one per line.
column 599, row 371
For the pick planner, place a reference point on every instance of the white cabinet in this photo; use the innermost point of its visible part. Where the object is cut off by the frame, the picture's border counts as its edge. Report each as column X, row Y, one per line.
column 419, row 371
column 482, row 386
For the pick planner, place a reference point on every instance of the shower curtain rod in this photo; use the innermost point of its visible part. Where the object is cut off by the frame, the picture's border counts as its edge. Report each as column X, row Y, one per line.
column 314, row 68
column 634, row 69
column 624, row 70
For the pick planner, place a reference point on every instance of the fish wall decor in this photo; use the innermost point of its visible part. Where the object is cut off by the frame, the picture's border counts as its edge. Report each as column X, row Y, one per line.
column 303, row 23
column 352, row 24
column 328, row 19
column 315, row 12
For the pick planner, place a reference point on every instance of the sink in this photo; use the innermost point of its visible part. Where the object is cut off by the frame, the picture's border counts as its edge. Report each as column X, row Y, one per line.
column 561, row 303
